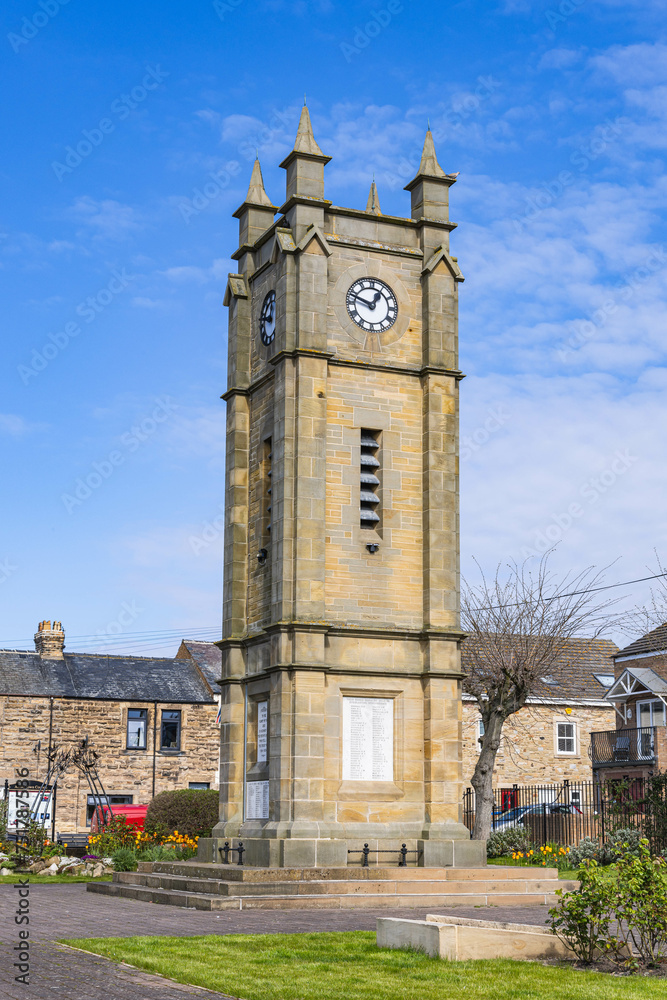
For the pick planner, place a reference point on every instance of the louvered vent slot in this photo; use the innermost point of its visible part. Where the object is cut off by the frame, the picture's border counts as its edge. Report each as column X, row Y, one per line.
column 369, row 482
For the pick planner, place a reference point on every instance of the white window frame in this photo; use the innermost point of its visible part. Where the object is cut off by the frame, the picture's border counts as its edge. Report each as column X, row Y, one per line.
column 575, row 738
column 651, row 702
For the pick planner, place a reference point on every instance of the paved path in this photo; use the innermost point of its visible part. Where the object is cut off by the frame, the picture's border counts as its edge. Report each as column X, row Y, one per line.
column 67, row 911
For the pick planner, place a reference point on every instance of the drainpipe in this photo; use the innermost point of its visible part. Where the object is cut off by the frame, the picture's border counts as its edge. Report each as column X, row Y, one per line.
column 154, row 737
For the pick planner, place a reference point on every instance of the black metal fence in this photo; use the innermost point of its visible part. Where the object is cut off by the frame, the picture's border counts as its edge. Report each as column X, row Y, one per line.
column 564, row 813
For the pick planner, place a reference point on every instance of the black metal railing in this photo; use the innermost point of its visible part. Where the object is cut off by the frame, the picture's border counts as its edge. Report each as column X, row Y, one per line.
column 623, row 746
column 366, row 851
column 226, row 850
column 566, row 812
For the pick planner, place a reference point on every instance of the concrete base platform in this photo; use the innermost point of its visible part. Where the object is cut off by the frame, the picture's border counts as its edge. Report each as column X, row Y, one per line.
column 224, row 887
column 304, row 852
column 461, row 939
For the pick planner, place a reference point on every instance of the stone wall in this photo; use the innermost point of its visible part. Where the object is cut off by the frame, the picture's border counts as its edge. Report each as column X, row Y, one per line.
column 25, row 721
column 386, row 587
column 528, row 753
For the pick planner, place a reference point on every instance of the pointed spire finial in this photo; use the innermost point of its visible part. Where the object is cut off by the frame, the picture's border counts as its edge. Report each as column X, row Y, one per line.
column 373, row 203
column 305, row 140
column 429, row 162
column 305, row 102
column 256, row 191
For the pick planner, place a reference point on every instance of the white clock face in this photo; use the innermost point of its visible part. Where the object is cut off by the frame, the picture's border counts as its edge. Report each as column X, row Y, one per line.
column 372, row 305
column 267, row 319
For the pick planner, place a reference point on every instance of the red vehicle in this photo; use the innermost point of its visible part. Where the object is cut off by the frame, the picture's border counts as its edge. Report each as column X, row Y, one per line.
column 134, row 816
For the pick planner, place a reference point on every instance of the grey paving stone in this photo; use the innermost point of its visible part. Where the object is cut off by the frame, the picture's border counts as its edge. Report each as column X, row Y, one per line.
column 68, row 911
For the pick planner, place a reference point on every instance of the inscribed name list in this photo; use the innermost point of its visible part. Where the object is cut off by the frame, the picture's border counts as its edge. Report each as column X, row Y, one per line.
column 257, row 800
column 262, row 731
column 368, row 739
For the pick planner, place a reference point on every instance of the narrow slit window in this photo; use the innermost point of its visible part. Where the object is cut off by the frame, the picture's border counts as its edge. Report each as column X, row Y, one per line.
column 369, row 481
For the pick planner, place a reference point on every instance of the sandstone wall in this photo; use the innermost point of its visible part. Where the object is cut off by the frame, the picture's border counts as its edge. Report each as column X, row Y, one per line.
column 25, row 721
column 528, row 753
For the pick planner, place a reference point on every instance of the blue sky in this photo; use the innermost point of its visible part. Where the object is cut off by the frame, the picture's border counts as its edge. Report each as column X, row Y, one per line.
column 129, row 136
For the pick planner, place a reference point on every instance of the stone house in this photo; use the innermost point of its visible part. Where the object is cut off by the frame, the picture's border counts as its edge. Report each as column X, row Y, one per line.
column 153, row 721
column 548, row 740
column 634, row 745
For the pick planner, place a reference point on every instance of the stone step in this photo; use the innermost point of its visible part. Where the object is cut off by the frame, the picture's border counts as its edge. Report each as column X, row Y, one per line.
column 234, row 873
column 382, row 887
column 207, row 901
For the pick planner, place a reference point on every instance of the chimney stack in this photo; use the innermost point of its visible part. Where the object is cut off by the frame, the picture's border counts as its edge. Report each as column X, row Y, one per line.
column 50, row 642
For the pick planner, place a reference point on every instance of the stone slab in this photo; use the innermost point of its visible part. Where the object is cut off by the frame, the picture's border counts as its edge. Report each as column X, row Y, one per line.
column 463, row 939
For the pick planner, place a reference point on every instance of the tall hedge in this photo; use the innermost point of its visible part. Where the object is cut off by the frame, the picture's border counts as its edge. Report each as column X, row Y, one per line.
column 189, row 810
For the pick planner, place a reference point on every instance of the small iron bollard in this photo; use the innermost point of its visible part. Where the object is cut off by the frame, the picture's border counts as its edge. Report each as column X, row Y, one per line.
column 364, row 856
column 403, row 856
column 227, row 850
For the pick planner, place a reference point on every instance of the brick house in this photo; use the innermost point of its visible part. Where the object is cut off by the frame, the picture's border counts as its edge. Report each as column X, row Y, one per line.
column 548, row 740
column 152, row 720
column 635, row 744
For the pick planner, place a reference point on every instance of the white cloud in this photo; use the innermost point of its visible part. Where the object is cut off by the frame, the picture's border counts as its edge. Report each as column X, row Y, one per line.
column 106, row 219
column 644, row 64
column 560, row 58
column 15, row 426
column 183, row 274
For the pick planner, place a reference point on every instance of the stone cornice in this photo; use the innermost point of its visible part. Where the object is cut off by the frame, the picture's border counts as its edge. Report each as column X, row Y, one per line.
column 397, row 249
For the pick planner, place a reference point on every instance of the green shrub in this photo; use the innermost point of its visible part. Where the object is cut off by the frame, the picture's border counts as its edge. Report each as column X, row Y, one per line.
column 504, row 843
column 4, row 809
column 193, row 812
column 641, row 902
column 124, row 860
column 581, row 918
column 158, row 852
column 625, row 841
column 589, row 849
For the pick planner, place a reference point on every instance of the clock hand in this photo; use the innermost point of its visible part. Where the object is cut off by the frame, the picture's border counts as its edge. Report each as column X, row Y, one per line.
column 371, row 305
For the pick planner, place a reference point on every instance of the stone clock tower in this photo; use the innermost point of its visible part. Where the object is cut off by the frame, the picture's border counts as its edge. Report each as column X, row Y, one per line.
column 341, row 710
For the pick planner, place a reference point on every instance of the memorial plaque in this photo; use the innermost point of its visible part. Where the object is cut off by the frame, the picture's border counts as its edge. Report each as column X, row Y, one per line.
column 257, row 800
column 262, row 731
column 368, row 739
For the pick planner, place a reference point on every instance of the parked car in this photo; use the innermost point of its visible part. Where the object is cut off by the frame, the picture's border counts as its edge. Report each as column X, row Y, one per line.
column 515, row 817
column 134, row 815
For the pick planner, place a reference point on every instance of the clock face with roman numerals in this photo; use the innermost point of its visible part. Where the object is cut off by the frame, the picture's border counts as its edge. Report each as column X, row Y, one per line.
column 267, row 319
column 372, row 305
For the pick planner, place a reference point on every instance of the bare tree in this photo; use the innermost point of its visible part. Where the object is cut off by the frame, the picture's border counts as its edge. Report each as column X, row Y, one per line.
column 519, row 624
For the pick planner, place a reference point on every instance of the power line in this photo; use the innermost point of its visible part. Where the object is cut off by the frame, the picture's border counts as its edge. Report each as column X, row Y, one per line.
column 159, row 637
column 576, row 593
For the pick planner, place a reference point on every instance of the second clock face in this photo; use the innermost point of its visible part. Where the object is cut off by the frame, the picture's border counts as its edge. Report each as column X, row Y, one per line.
column 372, row 305
column 267, row 319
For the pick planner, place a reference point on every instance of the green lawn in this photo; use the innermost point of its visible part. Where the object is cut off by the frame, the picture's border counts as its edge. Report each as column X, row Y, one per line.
column 349, row 966
column 569, row 873
column 39, row 879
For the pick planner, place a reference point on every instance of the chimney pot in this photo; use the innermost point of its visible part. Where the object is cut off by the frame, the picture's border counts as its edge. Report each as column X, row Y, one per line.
column 50, row 642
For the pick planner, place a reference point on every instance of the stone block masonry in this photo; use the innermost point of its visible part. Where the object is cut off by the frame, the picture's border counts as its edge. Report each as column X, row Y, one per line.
column 27, row 721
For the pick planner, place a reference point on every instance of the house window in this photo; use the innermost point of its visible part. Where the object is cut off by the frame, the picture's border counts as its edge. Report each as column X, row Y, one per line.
column 566, row 738
column 480, row 732
column 650, row 713
column 368, row 479
column 199, row 785
column 170, row 731
column 136, row 728
column 112, row 800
